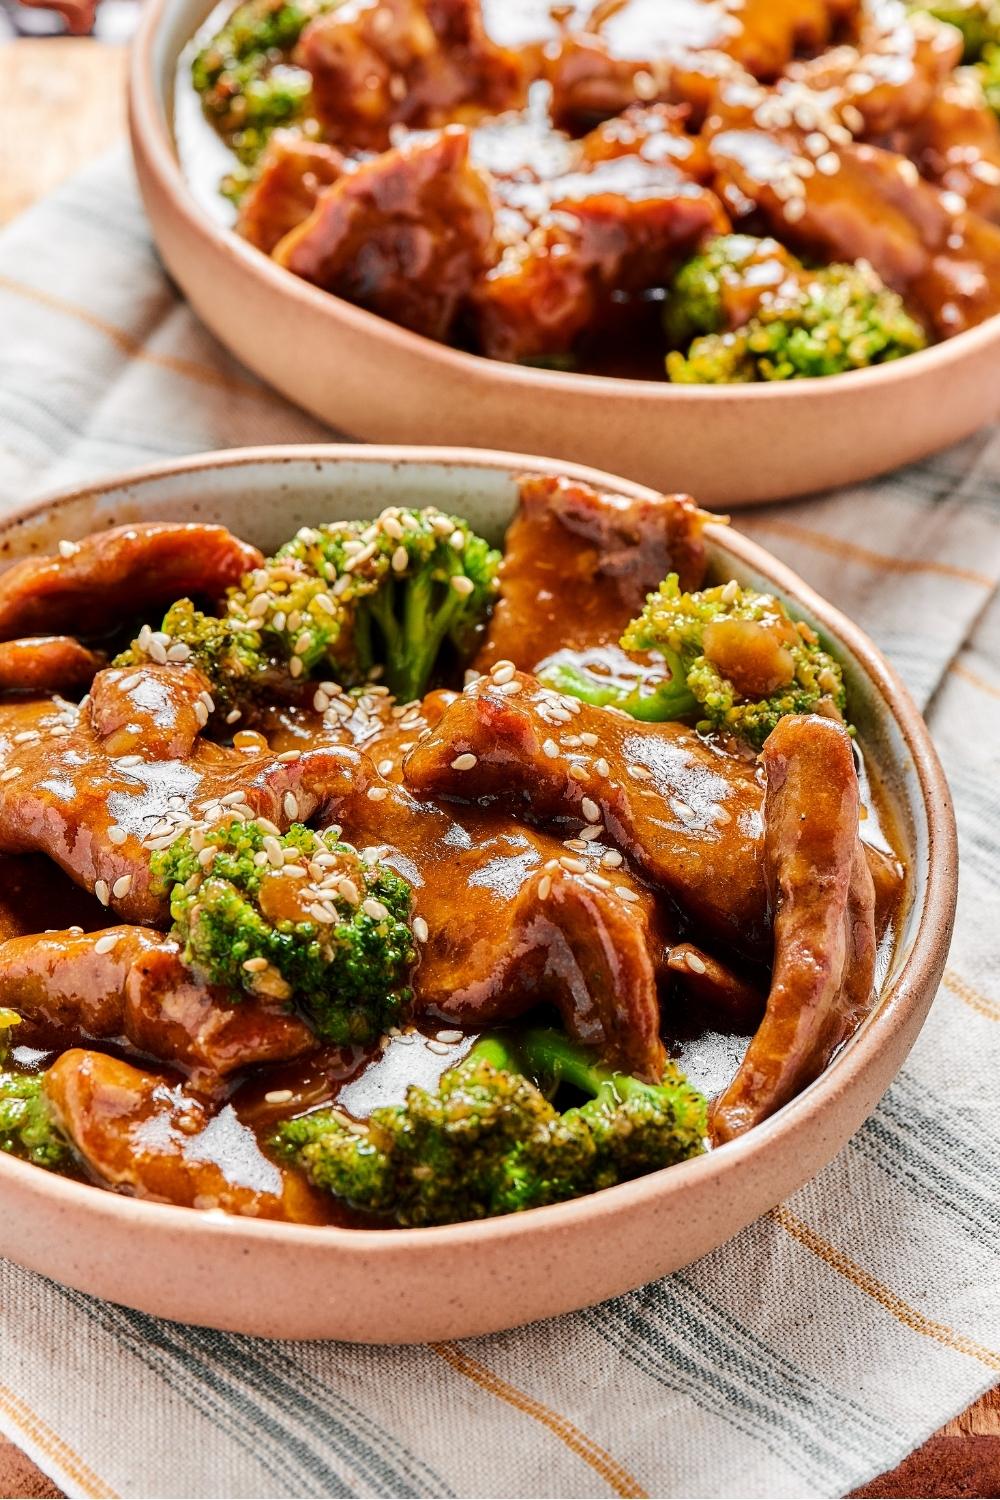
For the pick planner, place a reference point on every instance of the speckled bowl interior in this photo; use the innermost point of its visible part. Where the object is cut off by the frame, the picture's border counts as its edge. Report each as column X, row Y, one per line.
column 411, row 1285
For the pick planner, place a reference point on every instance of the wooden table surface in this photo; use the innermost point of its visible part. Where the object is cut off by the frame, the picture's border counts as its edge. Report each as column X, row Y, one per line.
column 61, row 104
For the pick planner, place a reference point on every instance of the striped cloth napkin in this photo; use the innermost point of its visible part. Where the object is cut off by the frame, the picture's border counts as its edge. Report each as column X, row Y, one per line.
column 805, row 1357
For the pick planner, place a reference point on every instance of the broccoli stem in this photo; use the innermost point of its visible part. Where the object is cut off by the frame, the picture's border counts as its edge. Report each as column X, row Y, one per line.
column 551, row 1058
column 653, row 702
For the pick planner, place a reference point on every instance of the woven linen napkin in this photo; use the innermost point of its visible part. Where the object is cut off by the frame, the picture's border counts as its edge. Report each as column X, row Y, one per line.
column 804, row 1357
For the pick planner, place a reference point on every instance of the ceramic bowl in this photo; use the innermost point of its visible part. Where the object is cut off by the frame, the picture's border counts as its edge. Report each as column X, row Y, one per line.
column 731, row 446
column 411, row 1285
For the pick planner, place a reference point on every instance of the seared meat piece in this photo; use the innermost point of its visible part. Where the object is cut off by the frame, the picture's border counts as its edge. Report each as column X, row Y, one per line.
column 578, row 565
column 144, row 1136
column 405, row 235
column 689, row 818
column 824, row 923
column 889, row 78
column 515, row 918
column 369, row 721
column 861, row 202
column 45, row 663
column 629, row 50
column 732, row 1000
column 130, row 983
column 956, row 144
column 290, row 176
column 379, row 63
column 654, row 132
column 114, row 574
column 98, row 806
column 612, row 230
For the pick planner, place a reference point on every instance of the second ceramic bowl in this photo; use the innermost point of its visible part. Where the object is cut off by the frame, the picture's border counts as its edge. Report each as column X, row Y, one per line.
column 730, row 446
column 300, row 1281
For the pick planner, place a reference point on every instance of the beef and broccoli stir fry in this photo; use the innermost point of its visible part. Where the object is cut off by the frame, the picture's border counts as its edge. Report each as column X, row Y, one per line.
column 395, row 880
column 694, row 189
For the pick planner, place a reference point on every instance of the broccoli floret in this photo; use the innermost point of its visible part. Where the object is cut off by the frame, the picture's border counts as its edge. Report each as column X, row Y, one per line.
column 790, row 325
column 27, row 1125
column 744, row 660
column 298, row 916
column 228, row 651
column 988, row 70
column 488, row 1140
column 244, row 76
column 391, row 594
column 655, row 690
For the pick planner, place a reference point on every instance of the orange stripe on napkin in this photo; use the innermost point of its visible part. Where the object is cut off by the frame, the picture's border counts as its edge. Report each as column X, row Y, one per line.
column 132, row 346
column 882, row 1294
column 966, row 673
column 973, row 999
column 53, row 1447
column 851, row 551
column 619, row 1480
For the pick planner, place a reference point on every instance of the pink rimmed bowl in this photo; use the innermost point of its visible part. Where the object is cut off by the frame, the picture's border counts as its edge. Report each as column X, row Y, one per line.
column 412, row 1285
column 729, row 445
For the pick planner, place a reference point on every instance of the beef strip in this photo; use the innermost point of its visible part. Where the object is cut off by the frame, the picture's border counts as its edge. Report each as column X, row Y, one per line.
column 291, row 175
column 46, row 663
column 515, row 918
column 142, row 1135
column 622, row 51
column 859, row 202
column 131, row 983
column 824, row 921
column 99, row 786
column 405, row 235
column 578, row 565
column 688, row 815
column 379, row 63
column 115, row 574
column 730, row 999
column 956, row 144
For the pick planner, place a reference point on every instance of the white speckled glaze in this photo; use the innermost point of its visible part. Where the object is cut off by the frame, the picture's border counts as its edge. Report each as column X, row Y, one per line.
column 730, row 445
column 298, row 1281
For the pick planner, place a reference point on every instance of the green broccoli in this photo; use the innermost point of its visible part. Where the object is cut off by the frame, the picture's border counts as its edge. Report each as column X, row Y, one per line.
column 27, row 1125
column 977, row 20
column 298, row 916
column 988, row 70
column 653, row 690
column 764, row 316
column 356, row 596
column 228, row 651
column 487, row 1141
column 746, row 663
column 244, row 76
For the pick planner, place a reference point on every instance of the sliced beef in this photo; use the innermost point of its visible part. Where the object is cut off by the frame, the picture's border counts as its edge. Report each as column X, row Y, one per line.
column 824, row 921
column 421, row 63
column 142, row 1135
column 578, row 565
column 291, row 175
column 46, row 664
column 730, row 999
column 130, row 983
column 405, row 235
column 516, row 918
column 115, row 574
column 956, row 144
column 97, row 799
column 688, row 817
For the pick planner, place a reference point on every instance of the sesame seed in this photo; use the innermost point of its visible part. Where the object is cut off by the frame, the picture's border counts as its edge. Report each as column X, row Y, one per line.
column 278, row 1096
column 255, row 965
column 730, row 592
column 122, row 886
column 68, row 549
column 591, row 832
column 578, row 773
column 611, row 860
column 503, row 672
column 157, row 651
column 465, row 762
column 349, row 891
column 290, row 804
column 178, row 652
column 201, row 714
column 232, row 798
column 601, row 767
column 695, row 964
column 10, row 773
column 384, row 767
column 639, row 772
column 420, row 929
column 377, row 793
column 795, row 210
column 207, row 855
column 590, row 810
column 462, row 585
column 102, row 891
column 684, row 812
column 374, row 909
column 598, row 881
column 544, row 887
column 131, row 681
column 550, row 748
column 26, row 737
column 107, row 942
column 129, row 760
column 275, row 853
column 625, row 893
column 400, row 560
column 588, row 739
column 509, row 688
column 573, row 865
column 577, row 846
column 287, row 756
column 295, row 666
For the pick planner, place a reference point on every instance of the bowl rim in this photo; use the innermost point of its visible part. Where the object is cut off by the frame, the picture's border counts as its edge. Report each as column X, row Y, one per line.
column 904, row 994
column 148, row 124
